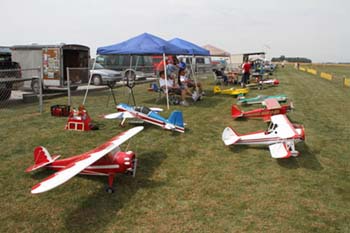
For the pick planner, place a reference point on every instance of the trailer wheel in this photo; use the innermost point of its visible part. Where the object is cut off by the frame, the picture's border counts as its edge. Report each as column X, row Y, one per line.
column 96, row 80
column 5, row 94
column 35, row 86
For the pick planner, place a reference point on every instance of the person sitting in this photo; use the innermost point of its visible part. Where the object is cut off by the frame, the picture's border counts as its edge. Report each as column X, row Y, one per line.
column 220, row 73
column 188, row 84
column 172, row 87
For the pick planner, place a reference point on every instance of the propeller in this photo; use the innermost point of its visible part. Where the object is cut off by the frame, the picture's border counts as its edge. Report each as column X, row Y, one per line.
column 291, row 106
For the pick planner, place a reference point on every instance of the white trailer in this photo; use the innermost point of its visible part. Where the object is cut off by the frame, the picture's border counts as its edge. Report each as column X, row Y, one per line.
column 54, row 60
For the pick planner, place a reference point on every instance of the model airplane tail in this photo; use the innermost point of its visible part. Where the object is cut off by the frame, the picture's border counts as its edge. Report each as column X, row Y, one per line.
column 216, row 89
column 229, row 136
column 176, row 119
column 236, row 112
column 41, row 158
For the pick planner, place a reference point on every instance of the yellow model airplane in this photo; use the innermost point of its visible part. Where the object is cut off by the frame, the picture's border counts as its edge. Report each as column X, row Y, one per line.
column 230, row 91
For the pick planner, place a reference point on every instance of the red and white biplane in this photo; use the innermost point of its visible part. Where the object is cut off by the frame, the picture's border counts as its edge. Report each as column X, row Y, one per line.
column 105, row 160
column 272, row 107
column 281, row 136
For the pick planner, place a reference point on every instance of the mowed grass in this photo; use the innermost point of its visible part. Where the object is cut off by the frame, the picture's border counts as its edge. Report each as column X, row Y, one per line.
column 186, row 182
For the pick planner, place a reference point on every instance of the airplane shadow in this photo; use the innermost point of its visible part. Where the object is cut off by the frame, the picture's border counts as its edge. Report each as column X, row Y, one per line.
column 99, row 209
column 306, row 159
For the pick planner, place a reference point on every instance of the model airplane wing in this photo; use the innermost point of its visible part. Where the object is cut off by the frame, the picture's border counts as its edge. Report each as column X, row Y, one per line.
column 119, row 115
column 271, row 104
column 284, row 128
column 86, row 160
column 154, row 109
column 279, row 150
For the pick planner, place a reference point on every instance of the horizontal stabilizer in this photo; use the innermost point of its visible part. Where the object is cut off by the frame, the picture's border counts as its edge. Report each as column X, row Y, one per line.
column 229, row 136
column 279, row 151
column 41, row 158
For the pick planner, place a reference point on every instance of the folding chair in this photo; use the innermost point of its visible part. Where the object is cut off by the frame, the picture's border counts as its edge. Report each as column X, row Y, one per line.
column 219, row 80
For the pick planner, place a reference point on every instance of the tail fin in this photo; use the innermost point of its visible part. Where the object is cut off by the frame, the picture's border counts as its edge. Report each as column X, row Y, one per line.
column 229, row 136
column 216, row 89
column 41, row 158
column 236, row 112
column 176, row 118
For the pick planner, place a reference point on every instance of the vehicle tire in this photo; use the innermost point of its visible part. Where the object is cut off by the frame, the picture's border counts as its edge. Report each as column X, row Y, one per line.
column 130, row 76
column 96, row 80
column 73, row 88
column 35, row 86
column 5, row 94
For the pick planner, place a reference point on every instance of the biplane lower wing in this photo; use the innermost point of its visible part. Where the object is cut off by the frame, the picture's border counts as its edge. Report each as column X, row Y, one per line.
column 279, row 150
column 86, row 160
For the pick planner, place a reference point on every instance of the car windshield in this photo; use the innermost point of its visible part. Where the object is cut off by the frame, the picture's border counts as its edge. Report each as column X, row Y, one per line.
column 98, row 66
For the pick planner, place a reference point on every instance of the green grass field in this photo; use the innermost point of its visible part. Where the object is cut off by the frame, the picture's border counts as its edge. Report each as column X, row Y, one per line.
column 187, row 182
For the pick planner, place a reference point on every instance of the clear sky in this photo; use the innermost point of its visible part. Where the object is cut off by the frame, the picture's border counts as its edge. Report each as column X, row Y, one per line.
column 316, row 29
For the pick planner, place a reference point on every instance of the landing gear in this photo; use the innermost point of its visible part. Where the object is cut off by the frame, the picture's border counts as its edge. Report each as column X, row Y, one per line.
column 110, row 188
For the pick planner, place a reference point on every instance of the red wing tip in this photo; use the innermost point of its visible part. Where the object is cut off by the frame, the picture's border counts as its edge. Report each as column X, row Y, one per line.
column 35, row 187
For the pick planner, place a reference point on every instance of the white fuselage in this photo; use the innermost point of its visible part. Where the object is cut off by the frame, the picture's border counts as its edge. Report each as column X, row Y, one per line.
column 265, row 138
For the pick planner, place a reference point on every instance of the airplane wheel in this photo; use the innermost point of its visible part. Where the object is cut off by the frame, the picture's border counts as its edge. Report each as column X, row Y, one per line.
column 110, row 190
column 122, row 125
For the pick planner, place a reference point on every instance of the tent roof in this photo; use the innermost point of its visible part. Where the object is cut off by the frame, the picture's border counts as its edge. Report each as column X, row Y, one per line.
column 216, row 52
column 144, row 44
column 193, row 49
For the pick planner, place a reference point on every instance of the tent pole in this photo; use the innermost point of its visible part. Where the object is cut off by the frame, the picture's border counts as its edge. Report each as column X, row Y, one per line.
column 166, row 82
column 194, row 75
column 131, row 91
column 87, row 89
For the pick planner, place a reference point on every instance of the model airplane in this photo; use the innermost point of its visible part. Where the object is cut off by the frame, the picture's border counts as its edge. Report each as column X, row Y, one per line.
column 260, row 84
column 281, row 137
column 106, row 160
column 260, row 98
column 272, row 107
column 149, row 115
column 230, row 91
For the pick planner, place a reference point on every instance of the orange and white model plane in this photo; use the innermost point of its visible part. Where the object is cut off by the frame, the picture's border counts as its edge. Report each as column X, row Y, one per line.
column 105, row 160
column 281, row 137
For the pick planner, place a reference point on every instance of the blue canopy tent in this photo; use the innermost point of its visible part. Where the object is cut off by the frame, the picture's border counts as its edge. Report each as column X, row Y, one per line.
column 192, row 49
column 144, row 44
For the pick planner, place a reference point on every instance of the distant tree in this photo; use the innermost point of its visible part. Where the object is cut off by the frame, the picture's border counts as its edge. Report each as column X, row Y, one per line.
column 291, row 59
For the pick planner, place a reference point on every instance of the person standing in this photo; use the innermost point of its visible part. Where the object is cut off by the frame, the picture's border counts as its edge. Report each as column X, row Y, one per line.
column 245, row 73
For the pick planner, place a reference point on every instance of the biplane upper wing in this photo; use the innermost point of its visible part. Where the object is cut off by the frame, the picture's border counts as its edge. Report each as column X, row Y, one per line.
column 119, row 115
column 284, row 128
column 271, row 103
column 86, row 160
column 279, row 150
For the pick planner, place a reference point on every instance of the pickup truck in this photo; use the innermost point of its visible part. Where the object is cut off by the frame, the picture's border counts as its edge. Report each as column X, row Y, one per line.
column 8, row 71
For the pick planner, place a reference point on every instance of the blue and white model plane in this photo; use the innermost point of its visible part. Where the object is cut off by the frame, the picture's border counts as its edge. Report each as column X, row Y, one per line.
column 149, row 115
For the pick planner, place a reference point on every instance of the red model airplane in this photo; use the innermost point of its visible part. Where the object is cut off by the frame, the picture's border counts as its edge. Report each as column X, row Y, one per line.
column 272, row 107
column 106, row 160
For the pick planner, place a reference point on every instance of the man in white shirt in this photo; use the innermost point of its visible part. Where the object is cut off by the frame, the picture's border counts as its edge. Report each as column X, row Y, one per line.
column 172, row 87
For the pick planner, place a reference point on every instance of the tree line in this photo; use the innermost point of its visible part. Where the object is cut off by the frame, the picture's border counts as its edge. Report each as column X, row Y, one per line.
column 291, row 59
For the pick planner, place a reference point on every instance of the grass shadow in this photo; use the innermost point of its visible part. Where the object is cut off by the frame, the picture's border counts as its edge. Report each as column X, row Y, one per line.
column 306, row 159
column 96, row 211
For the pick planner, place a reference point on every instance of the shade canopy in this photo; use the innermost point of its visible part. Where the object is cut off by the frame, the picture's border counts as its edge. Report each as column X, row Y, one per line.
column 144, row 44
column 191, row 48
column 216, row 52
